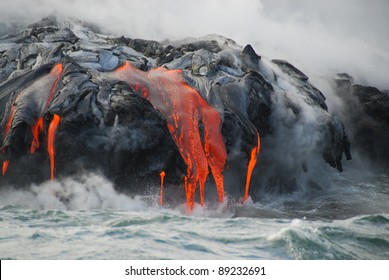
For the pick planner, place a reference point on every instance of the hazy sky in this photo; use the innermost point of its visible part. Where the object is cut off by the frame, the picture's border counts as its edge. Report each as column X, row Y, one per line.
column 317, row 36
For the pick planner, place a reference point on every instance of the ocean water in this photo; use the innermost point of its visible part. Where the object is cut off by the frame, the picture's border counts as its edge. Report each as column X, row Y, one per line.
column 87, row 219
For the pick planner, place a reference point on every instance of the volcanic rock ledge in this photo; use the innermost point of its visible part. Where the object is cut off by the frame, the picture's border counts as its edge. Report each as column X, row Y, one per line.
column 61, row 89
column 367, row 118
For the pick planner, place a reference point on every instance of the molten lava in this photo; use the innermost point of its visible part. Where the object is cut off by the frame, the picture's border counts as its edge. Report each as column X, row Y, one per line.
column 5, row 167
column 184, row 109
column 250, row 167
column 57, row 73
column 203, row 150
column 36, row 130
column 51, row 80
column 162, row 176
column 50, row 141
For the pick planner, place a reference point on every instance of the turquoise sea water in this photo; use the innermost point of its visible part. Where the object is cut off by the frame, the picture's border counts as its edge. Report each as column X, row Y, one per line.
column 89, row 220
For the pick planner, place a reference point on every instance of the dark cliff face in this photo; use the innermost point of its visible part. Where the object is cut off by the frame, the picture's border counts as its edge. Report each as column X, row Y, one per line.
column 111, row 124
column 366, row 115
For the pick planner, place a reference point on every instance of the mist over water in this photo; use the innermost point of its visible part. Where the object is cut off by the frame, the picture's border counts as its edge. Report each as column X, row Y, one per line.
column 87, row 192
column 340, row 223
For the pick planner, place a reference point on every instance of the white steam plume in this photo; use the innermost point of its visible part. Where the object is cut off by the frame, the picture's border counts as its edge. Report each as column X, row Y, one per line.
column 317, row 36
column 88, row 192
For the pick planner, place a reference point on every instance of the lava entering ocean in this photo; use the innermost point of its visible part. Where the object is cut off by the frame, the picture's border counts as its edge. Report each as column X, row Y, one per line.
column 252, row 162
column 184, row 109
column 50, row 142
column 130, row 108
column 40, row 98
column 162, row 176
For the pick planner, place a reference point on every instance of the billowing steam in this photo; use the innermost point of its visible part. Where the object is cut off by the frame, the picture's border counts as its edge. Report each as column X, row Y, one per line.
column 87, row 192
column 342, row 36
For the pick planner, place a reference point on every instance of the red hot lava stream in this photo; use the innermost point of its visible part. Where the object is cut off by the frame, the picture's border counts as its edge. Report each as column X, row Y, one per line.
column 162, row 175
column 252, row 162
column 56, row 73
column 184, row 108
column 5, row 167
column 36, row 130
column 50, row 142
column 51, row 79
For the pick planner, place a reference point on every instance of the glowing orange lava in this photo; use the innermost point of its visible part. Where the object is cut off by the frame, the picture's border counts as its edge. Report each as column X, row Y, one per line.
column 253, row 160
column 57, row 73
column 36, row 130
column 5, row 167
column 162, row 176
column 50, row 141
column 53, row 77
column 184, row 109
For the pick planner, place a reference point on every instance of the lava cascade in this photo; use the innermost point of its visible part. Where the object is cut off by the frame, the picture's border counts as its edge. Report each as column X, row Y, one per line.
column 38, row 127
column 184, row 109
column 162, row 176
column 5, row 167
column 252, row 162
column 50, row 142
column 185, row 112
column 51, row 79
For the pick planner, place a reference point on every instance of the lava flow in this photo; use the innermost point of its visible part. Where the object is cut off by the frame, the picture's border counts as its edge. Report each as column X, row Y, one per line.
column 5, row 167
column 184, row 109
column 42, row 99
column 162, row 175
column 37, row 128
column 57, row 73
column 252, row 162
column 50, row 142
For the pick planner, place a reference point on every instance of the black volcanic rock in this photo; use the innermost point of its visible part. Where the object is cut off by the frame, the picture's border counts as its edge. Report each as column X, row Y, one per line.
column 366, row 113
column 375, row 103
column 107, row 124
column 250, row 58
column 290, row 69
column 301, row 81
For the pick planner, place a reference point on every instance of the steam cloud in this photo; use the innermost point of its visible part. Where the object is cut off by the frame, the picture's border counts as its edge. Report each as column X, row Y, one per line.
column 339, row 36
column 90, row 191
